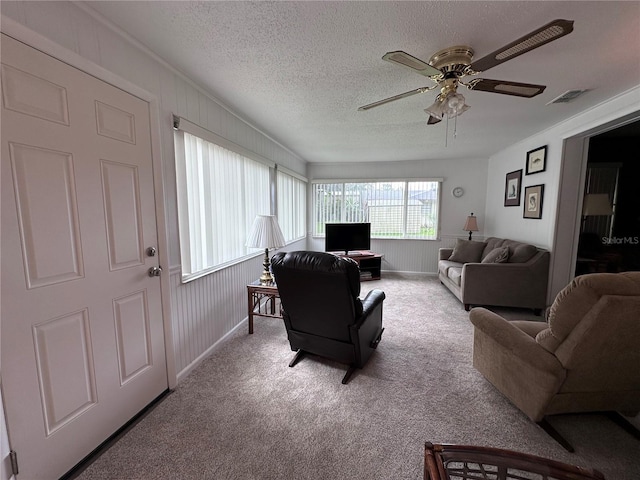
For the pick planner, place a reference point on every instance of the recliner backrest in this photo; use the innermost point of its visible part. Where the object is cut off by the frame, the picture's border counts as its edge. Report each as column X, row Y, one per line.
column 581, row 301
column 319, row 292
column 602, row 352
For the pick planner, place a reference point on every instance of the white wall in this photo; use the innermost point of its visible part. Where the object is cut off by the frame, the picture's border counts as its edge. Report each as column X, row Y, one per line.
column 508, row 222
column 418, row 255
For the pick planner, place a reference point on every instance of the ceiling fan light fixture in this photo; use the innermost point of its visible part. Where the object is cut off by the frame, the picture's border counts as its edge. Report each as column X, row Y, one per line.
column 450, row 105
column 435, row 111
column 455, row 105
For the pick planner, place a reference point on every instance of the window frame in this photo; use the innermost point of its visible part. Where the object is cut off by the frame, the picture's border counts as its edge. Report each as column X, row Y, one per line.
column 301, row 199
column 182, row 126
column 437, row 236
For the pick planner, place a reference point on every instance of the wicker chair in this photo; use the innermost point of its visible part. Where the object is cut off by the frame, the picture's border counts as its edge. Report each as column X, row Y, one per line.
column 466, row 462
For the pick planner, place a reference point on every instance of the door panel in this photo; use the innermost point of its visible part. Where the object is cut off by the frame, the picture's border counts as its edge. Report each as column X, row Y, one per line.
column 121, row 193
column 66, row 374
column 50, row 256
column 115, row 123
column 132, row 333
column 82, row 332
column 33, row 95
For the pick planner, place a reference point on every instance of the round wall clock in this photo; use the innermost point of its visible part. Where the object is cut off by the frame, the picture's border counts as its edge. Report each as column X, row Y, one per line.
column 457, row 192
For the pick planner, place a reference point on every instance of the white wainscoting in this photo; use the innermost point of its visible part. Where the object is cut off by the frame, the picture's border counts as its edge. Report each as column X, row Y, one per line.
column 208, row 309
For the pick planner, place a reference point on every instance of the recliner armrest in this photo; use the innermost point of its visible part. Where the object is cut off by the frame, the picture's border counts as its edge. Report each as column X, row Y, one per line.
column 367, row 330
column 371, row 301
column 517, row 342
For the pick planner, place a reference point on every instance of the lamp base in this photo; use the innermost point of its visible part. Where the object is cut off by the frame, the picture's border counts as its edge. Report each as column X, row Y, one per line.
column 266, row 278
column 469, row 235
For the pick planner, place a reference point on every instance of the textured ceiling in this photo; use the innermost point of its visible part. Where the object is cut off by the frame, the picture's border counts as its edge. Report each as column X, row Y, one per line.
column 299, row 70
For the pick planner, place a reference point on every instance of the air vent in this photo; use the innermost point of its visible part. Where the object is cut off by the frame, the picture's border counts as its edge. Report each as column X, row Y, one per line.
column 568, row 96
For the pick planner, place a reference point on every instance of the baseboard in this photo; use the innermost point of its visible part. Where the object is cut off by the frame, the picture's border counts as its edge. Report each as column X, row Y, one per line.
column 406, row 272
column 209, row 351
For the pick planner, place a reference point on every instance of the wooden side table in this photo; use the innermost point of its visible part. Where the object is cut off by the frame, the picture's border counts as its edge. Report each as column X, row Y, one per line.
column 370, row 264
column 262, row 301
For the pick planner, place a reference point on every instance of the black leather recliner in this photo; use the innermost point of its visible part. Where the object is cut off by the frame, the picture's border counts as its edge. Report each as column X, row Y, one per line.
column 321, row 309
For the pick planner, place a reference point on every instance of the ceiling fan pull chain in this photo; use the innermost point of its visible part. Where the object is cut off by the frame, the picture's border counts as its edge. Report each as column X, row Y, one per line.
column 446, row 133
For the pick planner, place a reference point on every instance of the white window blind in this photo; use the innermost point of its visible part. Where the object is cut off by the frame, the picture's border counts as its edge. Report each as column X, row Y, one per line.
column 292, row 206
column 219, row 194
column 395, row 209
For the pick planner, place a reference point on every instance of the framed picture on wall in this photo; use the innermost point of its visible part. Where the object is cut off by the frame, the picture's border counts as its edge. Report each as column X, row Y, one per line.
column 533, row 201
column 537, row 160
column 512, row 188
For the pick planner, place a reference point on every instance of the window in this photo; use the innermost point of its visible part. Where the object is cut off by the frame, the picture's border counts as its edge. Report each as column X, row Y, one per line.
column 395, row 209
column 292, row 205
column 219, row 194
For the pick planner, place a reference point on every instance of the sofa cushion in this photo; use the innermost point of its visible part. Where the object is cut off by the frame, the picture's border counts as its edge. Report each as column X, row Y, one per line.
column 522, row 253
column 467, row 251
column 518, row 252
column 444, row 265
column 497, row 255
column 492, row 244
column 455, row 274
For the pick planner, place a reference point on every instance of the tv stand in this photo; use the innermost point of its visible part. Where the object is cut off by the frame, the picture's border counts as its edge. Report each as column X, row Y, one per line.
column 370, row 264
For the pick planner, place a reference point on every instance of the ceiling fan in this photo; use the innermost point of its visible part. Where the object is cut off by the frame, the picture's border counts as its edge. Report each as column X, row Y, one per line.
column 447, row 68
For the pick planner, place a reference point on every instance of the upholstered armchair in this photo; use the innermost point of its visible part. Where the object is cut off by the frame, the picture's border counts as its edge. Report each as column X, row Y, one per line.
column 585, row 358
column 321, row 309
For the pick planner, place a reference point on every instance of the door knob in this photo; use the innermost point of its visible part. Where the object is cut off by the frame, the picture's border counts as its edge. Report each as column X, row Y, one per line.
column 155, row 271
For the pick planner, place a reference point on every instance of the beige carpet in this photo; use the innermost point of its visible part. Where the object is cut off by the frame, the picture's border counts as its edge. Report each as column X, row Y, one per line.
column 244, row 414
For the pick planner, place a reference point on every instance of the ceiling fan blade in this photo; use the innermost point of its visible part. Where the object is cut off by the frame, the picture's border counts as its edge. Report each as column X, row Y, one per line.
column 394, row 98
column 548, row 33
column 402, row 58
column 517, row 89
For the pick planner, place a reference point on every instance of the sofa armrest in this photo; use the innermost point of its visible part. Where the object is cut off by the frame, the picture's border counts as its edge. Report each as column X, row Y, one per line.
column 515, row 341
column 444, row 253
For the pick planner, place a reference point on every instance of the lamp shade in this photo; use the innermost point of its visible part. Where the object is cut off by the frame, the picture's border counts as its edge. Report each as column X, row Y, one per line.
column 471, row 225
column 596, row 204
column 265, row 233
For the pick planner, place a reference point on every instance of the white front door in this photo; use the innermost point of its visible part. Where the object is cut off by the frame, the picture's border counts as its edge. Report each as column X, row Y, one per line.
column 82, row 331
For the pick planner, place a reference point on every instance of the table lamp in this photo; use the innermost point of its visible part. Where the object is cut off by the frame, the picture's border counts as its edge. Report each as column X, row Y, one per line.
column 265, row 233
column 471, row 225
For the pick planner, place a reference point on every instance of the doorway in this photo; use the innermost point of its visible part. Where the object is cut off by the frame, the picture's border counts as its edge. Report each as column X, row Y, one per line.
column 83, row 340
column 570, row 200
column 610, row 229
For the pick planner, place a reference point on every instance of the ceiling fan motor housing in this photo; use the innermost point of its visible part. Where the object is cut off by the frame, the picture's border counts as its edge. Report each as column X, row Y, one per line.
column 453, row 61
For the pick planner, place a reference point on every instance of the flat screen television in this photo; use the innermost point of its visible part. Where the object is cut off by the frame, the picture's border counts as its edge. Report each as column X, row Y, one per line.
column 347, row 237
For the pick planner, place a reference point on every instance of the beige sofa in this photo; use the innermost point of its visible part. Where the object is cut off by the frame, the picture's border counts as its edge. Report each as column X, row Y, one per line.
column 585, row 358
column 496, row 271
